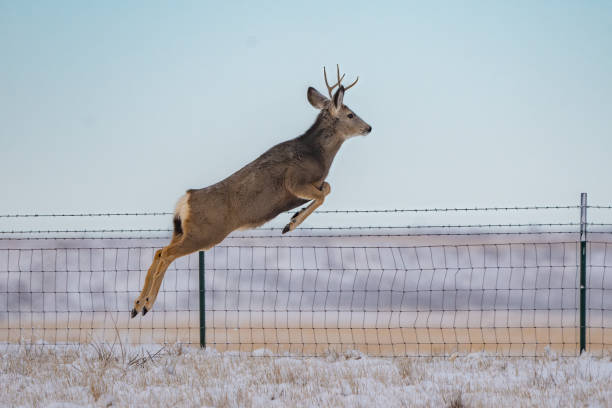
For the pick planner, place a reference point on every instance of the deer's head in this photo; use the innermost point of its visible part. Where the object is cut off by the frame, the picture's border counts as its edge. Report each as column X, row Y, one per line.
column 345, row 122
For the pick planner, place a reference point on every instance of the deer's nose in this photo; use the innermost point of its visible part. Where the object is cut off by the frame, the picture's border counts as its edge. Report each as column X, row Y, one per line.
column 369, row 129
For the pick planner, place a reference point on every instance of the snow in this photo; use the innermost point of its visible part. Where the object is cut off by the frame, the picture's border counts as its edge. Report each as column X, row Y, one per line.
column 180, row 376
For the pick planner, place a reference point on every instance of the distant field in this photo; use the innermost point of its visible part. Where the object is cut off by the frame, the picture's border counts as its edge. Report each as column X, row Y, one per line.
column 318, row 338
column 375, row 342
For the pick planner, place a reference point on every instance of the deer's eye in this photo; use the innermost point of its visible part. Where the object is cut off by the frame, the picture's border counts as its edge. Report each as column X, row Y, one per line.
column 350, row 115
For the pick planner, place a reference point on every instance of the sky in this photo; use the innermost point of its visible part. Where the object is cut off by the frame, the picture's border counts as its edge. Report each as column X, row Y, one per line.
column 122, row 106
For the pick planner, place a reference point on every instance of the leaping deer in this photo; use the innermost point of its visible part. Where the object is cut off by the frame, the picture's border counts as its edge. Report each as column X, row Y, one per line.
column 288, row 175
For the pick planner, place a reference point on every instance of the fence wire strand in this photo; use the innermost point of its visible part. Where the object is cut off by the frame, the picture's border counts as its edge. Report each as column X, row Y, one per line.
column 353, row 211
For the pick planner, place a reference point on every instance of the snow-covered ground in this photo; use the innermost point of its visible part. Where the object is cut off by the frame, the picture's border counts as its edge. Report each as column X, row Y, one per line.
column 93, row 375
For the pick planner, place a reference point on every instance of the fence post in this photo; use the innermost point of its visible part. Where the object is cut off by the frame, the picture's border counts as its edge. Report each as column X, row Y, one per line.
column 583, row 241
column 202, row 286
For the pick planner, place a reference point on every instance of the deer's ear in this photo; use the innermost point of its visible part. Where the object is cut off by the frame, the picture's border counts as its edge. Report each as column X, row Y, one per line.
column 316, row 99
column 337, row 99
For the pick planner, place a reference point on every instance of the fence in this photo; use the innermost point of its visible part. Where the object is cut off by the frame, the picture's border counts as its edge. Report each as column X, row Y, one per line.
column 510, row 288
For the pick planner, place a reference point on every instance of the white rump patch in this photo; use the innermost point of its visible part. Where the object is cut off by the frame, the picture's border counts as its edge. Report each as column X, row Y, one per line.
column 182, row 207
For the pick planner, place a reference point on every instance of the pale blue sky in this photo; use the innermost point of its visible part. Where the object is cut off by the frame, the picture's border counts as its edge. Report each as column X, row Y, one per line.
column 121, row 106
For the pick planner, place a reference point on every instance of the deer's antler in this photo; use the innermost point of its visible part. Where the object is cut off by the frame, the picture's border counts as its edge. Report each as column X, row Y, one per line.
column 340, row 78
column 346, row 88
column 331, row 88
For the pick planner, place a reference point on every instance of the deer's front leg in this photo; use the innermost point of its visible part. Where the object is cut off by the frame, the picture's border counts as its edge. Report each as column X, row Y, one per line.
column 307, row 192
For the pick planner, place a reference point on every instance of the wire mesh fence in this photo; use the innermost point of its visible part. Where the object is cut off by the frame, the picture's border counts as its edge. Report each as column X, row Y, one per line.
column 440, row 292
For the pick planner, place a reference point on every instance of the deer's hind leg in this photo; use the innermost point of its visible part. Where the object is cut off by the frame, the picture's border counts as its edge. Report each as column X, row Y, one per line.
column 167, row 256
column 161, row 261
column 139, row 303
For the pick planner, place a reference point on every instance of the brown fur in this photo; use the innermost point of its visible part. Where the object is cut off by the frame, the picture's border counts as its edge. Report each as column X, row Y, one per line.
column 287, row 176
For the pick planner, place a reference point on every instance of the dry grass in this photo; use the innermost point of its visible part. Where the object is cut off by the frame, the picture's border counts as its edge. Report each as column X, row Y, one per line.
column 456, row 401
column 316, row 333
column 95, row 375
column 318, row 341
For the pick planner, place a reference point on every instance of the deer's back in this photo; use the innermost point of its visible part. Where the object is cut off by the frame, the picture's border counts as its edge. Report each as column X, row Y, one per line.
column 256, row 193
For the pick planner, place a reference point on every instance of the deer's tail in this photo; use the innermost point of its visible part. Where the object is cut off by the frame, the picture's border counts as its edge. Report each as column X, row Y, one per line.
column 178, row 228
column 180, row 214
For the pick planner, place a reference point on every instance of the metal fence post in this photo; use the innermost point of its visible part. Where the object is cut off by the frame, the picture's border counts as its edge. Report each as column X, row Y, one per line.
column 583, row 241
column 202, row 286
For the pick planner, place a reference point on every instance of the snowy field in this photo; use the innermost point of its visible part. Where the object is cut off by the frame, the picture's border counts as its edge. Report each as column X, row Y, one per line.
column 95, row 375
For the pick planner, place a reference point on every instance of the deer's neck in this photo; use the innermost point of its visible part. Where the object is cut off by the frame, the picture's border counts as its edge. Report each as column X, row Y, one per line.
column 323, row 140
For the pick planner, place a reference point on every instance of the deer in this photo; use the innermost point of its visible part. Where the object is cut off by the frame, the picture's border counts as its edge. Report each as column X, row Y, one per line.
column 285, row 177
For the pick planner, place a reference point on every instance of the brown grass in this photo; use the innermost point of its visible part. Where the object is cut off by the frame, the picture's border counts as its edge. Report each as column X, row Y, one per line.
column 315, row 338
column 317, row 341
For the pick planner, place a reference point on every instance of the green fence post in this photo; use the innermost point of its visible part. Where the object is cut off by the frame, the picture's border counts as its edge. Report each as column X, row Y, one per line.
column 202, row 301
column 583, row 242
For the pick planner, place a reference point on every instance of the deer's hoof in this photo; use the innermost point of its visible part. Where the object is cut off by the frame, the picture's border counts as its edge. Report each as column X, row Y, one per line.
column 133, row 313
column 144, row 311
column 286, row 229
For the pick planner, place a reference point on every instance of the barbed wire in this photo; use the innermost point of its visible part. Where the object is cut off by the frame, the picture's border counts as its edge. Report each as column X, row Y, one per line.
column 340, row 228
column 85, row 231
column 311, row 246
column 457, row 209
column 303, row 232
column 117, row 214
column 396, row 235
column 331, row 228
column 349, row 211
